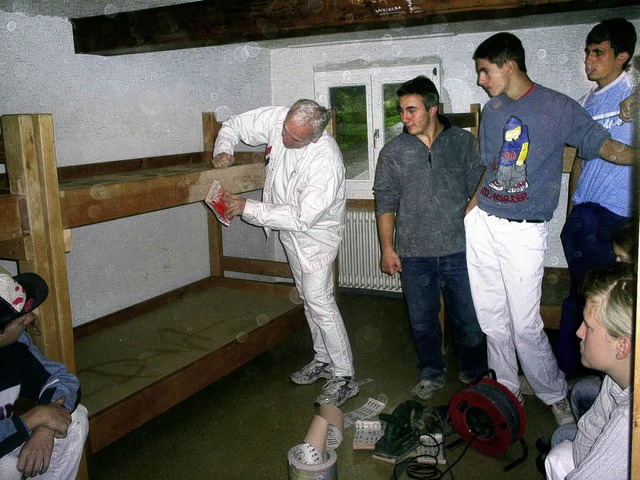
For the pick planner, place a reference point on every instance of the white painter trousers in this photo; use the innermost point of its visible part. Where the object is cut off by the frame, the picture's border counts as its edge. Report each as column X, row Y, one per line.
column 330, row 340
column 505, row 262
column 559, row 461
column 66, row 455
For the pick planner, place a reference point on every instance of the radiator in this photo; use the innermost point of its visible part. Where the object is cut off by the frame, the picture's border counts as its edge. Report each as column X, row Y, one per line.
column 359, row 255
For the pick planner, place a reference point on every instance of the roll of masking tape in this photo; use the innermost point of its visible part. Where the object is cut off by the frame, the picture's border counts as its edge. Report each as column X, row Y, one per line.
column 300, row 467
column 334, row 437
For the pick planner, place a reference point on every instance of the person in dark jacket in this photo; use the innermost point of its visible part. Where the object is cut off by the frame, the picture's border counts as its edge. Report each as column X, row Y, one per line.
column 46, row 440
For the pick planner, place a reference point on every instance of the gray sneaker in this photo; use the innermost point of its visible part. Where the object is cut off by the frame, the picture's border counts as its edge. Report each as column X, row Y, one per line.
column 426, row 388
column 311, row 373
column 562, row 412
column 337, row 390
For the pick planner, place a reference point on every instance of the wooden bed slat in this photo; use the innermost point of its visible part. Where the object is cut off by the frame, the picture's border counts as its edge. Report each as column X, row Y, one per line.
column 17, row 249
column 86, row 201
column 107, row 426
column 258, row 267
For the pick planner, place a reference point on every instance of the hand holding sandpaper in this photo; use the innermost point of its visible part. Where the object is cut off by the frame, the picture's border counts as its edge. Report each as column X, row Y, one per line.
column 215, row 200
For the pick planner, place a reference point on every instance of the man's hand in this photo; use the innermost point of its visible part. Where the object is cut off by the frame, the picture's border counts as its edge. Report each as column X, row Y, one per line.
column 35, row 454
column 628, row 108
column 54, row 416
column 390, row 262
column 235, row 204
column 222, row 160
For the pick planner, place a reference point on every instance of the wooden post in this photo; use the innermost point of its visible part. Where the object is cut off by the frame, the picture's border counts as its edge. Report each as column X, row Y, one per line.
column 635, row 418
column 32, row 171
column 210, row 129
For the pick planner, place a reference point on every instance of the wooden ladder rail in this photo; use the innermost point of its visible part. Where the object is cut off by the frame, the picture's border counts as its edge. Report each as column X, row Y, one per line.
column 30, row 160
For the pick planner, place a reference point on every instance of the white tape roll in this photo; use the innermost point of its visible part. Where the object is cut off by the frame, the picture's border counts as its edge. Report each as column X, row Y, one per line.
column 300, row 469
column 307, row 454
column 334, row 437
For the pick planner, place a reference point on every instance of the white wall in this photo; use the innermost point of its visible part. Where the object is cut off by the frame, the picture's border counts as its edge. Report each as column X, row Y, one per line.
column 111, row 108
column 554, row 59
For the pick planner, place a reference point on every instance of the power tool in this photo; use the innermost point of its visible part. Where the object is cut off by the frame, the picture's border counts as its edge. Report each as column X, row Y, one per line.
column 402, row 430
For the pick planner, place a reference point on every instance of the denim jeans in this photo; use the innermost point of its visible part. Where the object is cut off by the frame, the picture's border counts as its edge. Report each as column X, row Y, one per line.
column 422, row 280
column 583, row 394
column 586, row 240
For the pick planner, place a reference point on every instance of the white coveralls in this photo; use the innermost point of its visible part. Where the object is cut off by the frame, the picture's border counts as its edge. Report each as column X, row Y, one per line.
column 304, row 198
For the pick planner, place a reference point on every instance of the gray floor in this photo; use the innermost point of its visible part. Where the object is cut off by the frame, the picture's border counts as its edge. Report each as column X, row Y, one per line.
column 243, row 426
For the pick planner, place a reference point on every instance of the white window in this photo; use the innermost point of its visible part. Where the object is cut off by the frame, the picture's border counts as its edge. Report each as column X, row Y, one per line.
column 366, row 107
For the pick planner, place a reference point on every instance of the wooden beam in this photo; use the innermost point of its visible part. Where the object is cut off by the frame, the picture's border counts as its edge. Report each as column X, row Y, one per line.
column 210, row 129
column 17, row 249
column 10, row 223
column 205, row 23
column 267, row 268
column 107, row 197
column 32, row 171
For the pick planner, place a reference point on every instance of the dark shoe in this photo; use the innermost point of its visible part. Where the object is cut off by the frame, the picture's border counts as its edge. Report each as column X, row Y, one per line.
column 540, row 463
column 543, row 445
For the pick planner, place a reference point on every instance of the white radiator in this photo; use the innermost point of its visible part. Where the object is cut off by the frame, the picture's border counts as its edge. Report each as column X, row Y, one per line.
column 359, row 256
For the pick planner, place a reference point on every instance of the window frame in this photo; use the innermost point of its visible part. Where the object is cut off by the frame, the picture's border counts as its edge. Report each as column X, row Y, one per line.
column 373, row 78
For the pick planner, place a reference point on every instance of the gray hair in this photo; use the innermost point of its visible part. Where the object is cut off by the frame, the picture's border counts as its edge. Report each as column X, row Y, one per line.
column 305, row 112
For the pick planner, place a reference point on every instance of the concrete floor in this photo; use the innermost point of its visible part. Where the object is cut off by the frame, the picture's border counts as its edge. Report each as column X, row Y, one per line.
column 243, row 426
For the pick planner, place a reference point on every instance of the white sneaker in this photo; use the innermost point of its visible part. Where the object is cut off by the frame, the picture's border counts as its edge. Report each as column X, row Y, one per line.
column 520, row 398
column 562, row 412
column 426, row 388
column 337, row 391
column 311, row 373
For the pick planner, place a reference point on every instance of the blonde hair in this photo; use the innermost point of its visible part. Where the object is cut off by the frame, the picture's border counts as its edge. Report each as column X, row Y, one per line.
column 615, row 286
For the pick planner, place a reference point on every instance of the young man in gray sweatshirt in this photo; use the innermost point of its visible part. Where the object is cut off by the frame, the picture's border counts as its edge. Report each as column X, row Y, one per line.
column 424, row 179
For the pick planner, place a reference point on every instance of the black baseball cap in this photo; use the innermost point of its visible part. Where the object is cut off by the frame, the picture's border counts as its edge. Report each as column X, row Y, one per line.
column 20, row 294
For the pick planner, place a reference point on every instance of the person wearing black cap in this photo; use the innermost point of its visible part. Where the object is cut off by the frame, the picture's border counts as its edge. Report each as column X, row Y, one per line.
column 46, row 440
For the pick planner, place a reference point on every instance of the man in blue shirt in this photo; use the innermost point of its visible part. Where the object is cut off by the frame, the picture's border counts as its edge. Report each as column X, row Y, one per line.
column 603, row 195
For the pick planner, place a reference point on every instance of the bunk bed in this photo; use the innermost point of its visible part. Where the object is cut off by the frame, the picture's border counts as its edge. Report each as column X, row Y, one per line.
column 139, row 362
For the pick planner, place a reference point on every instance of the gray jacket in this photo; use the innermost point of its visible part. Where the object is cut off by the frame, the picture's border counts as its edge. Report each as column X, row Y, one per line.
column 428, row 190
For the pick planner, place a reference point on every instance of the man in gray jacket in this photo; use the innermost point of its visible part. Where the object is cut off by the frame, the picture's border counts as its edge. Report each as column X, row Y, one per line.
column 424, row 179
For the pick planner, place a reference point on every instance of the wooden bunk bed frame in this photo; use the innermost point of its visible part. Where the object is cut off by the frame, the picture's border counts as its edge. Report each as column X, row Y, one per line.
column 41, row 203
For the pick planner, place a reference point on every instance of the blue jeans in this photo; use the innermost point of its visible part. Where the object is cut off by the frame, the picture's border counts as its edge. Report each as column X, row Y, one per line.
column 422, row 280
column 586, row 240
column 583, row 394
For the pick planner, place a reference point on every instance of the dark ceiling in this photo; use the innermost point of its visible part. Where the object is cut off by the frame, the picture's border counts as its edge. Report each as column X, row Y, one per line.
column 115, row 27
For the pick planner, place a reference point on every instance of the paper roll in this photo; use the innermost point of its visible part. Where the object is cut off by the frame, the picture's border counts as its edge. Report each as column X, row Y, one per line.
column 307, row 454
column 335, row 418
column 326, row 470
column 332, row 414
column 317, row 434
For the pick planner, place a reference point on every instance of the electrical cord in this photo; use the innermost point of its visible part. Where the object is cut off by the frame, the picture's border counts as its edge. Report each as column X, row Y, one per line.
column 417, row 470
column 434, row 420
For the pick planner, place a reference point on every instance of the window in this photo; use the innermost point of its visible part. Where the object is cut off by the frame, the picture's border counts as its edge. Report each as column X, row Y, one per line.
column 366, row 107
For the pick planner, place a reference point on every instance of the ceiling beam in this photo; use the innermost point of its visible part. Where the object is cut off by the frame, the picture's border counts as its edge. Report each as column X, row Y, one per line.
column 210, row 23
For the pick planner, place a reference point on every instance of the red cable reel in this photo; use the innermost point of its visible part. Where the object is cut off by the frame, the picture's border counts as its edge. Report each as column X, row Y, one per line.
column 489, row 417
